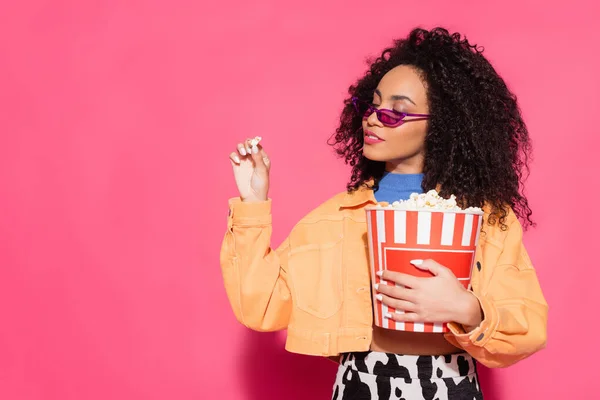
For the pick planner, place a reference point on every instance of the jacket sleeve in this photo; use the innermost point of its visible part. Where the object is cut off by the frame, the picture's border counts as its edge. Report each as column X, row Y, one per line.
column 514, row 308
column 255, row 275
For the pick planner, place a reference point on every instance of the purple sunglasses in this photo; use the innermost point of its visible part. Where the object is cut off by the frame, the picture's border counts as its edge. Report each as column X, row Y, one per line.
column 389, row 118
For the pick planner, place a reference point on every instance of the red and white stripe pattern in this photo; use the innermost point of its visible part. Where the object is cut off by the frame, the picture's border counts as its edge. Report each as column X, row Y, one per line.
column 397, row 236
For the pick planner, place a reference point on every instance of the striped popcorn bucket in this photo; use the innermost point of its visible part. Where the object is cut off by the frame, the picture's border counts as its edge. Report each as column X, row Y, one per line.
column 395, row 237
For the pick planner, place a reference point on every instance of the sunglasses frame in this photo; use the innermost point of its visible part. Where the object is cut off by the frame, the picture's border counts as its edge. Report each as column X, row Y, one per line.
column 370, row 109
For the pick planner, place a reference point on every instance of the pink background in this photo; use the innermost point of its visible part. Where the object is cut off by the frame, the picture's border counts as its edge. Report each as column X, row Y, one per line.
column 117, row 118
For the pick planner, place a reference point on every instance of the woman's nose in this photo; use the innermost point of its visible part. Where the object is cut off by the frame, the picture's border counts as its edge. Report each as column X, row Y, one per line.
column 373, row 120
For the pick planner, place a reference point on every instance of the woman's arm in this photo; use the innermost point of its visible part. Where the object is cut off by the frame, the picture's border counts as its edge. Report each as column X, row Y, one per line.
column 515, row 312
column 255, row 275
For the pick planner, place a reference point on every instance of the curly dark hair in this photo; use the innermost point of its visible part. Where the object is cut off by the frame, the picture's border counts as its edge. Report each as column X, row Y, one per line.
column 477, row 146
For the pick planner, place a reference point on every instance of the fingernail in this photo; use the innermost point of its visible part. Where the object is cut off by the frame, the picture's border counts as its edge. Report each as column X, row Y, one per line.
column 243, row 151
column 236, row 159
column 379, row 297
column 248, row 150
column 376, row 286
column 379, row 273
column 388, row 315
column 416, row 263
column 254, row 150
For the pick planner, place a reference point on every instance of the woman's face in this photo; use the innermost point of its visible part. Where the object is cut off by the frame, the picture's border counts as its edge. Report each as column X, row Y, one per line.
column 401, row 148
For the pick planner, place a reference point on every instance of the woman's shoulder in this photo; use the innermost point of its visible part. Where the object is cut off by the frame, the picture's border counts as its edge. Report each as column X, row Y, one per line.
column 497, row 229
column 510, row 215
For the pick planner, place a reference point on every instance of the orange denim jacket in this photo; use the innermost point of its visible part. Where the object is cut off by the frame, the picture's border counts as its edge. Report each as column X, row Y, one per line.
column 317, row 283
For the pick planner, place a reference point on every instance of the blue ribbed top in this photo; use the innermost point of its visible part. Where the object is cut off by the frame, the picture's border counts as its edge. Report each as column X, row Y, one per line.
column 393, row 187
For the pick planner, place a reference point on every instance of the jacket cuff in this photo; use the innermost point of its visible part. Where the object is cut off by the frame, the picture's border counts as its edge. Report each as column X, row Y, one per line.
column 249, row 214
column 482, row 333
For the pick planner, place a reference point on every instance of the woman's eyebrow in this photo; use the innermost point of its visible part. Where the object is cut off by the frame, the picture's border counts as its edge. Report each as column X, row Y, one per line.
column 396, row 97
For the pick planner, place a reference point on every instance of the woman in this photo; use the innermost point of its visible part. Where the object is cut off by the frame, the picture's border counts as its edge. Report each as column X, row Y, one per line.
column 430, row 112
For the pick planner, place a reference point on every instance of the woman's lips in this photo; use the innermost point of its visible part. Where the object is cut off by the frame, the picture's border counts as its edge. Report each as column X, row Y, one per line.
column 371, row 138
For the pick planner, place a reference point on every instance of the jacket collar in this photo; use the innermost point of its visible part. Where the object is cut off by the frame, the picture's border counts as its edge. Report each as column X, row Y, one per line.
column 359, row 197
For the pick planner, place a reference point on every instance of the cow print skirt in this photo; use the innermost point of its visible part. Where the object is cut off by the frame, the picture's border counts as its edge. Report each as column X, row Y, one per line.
column 383, row 376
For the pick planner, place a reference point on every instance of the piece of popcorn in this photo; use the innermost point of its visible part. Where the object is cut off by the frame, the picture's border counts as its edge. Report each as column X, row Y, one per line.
column 255, row 141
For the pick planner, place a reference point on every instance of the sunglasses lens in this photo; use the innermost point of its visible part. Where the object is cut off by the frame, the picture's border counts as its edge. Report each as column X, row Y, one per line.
column 389, row 118
column 386, row 117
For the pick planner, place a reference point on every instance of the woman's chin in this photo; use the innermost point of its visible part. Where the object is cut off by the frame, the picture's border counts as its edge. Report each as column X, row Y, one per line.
column 373, row 155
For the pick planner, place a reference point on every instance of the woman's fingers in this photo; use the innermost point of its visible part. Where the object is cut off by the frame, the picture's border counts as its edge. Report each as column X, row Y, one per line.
column 241, row 147
column 396, row 304
column 396, row 292
column 235, row 158
column 400, row 278
column 404, row 317
column 251, row 149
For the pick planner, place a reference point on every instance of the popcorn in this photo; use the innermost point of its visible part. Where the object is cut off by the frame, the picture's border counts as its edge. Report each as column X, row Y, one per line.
column 255, row 141
column 432, row 201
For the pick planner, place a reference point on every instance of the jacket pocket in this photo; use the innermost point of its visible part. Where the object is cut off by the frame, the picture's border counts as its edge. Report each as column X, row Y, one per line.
column 316, row 278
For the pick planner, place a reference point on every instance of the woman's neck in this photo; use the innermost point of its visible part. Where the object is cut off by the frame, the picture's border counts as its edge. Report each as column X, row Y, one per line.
column 404, row 167
column 409, row 165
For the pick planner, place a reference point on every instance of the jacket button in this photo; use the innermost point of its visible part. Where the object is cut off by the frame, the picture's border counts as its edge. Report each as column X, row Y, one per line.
column 478, row 266
column 481, row 335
